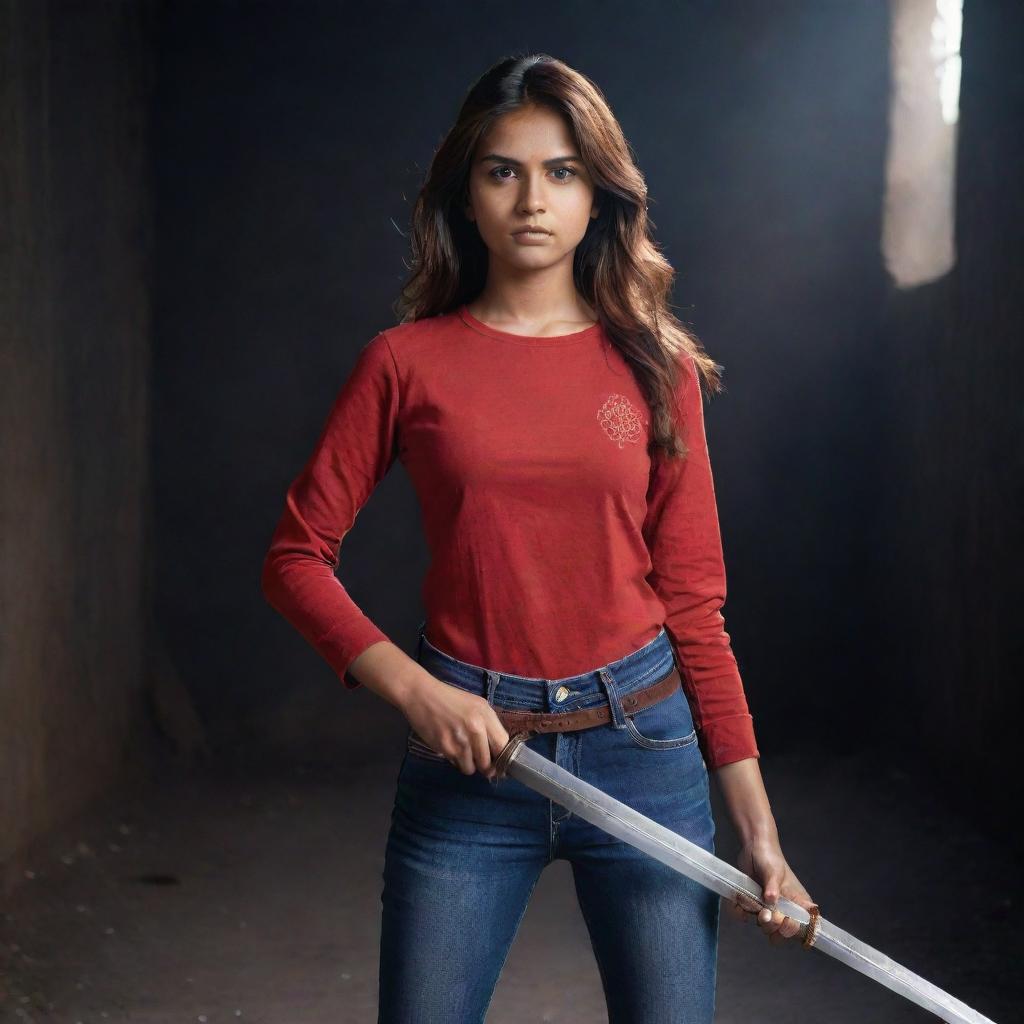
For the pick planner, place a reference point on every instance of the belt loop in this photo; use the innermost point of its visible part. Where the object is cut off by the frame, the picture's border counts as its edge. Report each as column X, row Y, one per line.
column 419, row 643
column 618, row 715
column 675, row 654
column 493, row 678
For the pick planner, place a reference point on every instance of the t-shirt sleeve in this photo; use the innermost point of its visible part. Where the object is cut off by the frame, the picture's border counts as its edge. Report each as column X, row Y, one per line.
column 355, row 450
column 683, row 536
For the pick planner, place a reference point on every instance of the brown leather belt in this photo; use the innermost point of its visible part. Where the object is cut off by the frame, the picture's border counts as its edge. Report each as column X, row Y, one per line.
column 540, row 721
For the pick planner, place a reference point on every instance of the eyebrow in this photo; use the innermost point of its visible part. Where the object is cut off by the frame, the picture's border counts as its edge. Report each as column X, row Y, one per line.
column 498, row 158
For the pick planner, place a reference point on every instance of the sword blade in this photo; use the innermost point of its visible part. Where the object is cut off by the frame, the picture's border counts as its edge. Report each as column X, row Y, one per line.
column 622, row 821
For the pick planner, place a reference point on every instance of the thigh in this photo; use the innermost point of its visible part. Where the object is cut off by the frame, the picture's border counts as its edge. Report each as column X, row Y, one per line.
column 654, row 931
column 462, row 858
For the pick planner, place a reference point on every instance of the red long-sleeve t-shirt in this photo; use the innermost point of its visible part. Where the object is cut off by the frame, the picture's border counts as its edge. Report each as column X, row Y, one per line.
column 557, row 543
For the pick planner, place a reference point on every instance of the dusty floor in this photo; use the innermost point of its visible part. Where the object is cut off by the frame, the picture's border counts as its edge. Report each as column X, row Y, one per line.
column 224, row 897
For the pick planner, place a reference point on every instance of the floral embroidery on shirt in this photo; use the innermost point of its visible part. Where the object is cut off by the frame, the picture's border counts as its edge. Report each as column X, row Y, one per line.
column 621, row 420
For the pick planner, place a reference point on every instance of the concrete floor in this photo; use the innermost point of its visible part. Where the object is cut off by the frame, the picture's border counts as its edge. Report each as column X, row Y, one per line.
column 223, row 896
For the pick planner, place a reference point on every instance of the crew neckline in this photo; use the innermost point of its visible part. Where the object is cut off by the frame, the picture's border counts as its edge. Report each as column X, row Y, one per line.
column 534, row 341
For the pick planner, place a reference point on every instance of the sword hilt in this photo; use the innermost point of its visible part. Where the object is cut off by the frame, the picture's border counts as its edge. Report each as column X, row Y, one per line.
column 508, row 752
column 809, row 931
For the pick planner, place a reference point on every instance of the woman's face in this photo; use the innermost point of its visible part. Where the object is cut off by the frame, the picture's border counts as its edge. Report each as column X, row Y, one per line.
column 527, row 171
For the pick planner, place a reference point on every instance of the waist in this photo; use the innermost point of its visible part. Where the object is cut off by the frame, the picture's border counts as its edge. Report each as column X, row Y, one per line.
column 634, row 671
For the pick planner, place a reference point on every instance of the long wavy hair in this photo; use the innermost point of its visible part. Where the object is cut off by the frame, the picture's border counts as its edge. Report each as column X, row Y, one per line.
column 617, row 267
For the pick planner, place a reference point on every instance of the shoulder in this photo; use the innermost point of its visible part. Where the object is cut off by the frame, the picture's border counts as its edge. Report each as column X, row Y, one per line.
column 413, row 336
column 399, row 352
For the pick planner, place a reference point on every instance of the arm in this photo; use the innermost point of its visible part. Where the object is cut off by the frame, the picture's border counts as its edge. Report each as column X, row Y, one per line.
column 760, row 854
column 688, row 574
column 356, row 448
column 742, row 788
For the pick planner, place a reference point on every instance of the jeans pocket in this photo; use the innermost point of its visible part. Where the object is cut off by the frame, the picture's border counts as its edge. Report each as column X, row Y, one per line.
column 415, row 745
column 666, row 725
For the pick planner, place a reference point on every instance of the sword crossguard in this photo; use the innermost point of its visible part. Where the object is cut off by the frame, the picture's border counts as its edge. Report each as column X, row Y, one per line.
column 508, row 751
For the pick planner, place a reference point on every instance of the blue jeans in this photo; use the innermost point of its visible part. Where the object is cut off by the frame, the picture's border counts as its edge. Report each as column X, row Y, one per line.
column 464, row 854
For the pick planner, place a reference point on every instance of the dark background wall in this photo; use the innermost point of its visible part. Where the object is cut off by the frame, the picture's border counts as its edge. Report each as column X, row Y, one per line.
column 866, row 449
column 76, row 287
column 951, row 527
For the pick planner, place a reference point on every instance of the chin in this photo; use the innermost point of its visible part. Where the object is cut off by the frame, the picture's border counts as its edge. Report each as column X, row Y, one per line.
column 535, row 262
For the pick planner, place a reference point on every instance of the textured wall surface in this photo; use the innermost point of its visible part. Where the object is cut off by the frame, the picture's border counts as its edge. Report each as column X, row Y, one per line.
column 75, row 274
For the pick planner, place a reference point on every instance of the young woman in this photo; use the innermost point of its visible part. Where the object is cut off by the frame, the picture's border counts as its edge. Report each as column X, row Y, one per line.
column 547, row 406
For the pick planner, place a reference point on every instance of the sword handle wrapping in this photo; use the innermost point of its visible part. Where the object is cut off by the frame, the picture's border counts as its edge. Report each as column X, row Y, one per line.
column 809, row 931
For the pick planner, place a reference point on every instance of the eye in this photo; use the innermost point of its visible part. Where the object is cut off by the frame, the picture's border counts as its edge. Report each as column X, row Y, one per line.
column 498, row 176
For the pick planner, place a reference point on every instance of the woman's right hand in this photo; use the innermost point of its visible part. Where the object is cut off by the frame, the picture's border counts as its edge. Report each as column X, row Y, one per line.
column 462, row 726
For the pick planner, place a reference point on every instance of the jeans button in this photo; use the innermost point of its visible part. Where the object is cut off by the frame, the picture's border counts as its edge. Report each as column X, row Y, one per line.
column 561, row 693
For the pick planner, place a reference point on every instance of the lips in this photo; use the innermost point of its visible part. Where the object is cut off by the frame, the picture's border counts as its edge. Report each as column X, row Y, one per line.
column 531, row 231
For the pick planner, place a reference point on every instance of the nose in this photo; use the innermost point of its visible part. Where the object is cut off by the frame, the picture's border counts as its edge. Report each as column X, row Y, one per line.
column 531, row 199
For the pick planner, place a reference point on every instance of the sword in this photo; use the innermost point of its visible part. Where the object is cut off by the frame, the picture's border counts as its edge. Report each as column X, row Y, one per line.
column 620, row 820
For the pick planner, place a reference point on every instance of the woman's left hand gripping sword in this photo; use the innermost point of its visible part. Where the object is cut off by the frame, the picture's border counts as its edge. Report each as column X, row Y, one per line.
column 518, row 761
